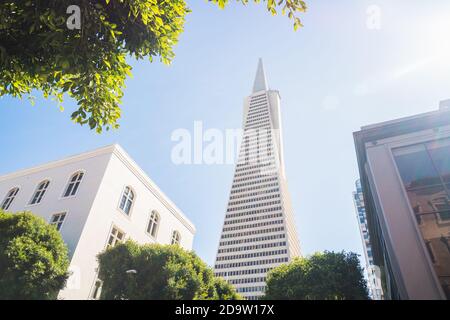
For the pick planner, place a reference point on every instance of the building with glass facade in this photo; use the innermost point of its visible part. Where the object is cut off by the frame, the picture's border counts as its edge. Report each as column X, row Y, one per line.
column 404, row 167
column 372, row 271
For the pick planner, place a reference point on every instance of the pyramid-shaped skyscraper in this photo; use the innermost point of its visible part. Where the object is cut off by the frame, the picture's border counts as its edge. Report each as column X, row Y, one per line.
column 259, row 230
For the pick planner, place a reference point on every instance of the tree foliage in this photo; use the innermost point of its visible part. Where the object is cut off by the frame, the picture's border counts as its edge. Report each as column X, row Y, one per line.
column 162, row 272
column 323, row 276
column 33, row 258
column 291, row 7
column 38, row 50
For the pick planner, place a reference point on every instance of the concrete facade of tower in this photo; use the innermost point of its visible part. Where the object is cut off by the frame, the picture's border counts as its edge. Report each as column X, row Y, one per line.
column 259, row 231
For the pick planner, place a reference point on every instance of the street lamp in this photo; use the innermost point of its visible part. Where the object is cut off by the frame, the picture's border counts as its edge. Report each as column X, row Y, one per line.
column 131, row 271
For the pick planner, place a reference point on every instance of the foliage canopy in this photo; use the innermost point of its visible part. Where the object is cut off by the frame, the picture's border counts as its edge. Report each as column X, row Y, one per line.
column 39, row 52
column 163, row 272
column 33, row 258
column 323, row 276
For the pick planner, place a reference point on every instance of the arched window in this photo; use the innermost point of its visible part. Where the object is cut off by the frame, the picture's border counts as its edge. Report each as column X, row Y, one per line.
column 74, row 183
column 9, row 198
column 127, row 200
column 153, row 224
column 40, row 191
column 176, row 237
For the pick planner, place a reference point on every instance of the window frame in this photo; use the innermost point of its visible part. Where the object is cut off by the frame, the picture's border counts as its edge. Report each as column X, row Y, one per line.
column 392, row 147
column 95, row 289
column 432, row 252
column 438, row 213
column 69, row 181
column 65, row 213
column 422, row 142
column 173, row 236
column 132, row 202
column 114, row 226
column 30, row 203
column 11, row 197
column 150, row 220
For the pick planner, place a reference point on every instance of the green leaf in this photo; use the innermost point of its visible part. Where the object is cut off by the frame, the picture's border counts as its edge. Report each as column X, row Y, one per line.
column 34, row 257
column 90, row 64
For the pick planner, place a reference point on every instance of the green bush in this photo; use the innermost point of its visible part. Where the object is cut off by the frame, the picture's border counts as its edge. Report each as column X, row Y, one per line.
column 162, row 272
column 323, row 276
column 33, row 257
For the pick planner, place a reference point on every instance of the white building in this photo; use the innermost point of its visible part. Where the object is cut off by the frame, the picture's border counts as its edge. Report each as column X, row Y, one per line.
column 96, row 199
column 259, row 230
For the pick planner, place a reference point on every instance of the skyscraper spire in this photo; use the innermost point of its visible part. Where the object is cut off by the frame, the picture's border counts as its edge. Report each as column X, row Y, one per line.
column 260, row 83
column 258, row 232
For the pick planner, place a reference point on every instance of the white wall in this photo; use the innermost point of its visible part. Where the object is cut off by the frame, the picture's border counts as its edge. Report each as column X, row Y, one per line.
column 58, row 173
column 105, row 213
column 93, row 211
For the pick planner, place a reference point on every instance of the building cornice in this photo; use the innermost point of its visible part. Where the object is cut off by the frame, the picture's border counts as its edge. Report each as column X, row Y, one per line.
column 59, row 163
column 152, row 187
column 116, row 150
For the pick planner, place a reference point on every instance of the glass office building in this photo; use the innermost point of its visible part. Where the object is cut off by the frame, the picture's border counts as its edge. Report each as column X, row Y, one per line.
column 372, row 271
column 404, row 167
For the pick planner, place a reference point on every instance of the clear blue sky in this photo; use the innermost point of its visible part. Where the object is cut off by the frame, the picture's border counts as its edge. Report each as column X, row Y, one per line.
column 334, row 75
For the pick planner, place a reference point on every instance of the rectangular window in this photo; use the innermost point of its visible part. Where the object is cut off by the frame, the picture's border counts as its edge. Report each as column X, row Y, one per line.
column 430, row 251
column 115, row 237
column 57, row 220
column 97, row 289
column 443, row 207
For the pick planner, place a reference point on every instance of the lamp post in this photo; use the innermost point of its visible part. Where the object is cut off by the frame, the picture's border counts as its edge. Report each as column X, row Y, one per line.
column 130, row 274
column 131, row 271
